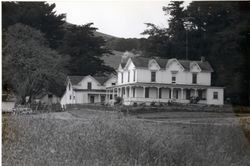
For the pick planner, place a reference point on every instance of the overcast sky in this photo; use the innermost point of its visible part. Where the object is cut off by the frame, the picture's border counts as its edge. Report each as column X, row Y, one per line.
column 118, row 18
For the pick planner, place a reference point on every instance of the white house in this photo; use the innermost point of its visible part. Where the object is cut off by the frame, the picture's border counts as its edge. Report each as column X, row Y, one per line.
column 86, row 89
column 146, row 80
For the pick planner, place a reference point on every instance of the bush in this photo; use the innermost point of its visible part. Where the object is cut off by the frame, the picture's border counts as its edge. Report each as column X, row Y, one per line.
column 118, row 100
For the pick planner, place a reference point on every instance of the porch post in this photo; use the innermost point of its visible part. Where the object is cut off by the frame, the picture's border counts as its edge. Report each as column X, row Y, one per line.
column 172, row 92
column 113, row 93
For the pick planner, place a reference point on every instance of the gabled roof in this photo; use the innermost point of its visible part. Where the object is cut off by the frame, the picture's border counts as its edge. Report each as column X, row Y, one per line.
column 76, row 79
column 101, row 79
column 143, row 62
column 140, row 61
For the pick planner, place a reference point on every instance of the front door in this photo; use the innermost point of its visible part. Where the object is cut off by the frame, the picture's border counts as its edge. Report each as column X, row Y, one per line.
column 92, row 99
column 102, row 99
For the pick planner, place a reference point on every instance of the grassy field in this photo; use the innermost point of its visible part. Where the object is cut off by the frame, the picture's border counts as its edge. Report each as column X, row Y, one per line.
column 87, row 137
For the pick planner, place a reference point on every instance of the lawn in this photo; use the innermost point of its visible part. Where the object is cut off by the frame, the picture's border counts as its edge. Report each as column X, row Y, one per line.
column 85, row 137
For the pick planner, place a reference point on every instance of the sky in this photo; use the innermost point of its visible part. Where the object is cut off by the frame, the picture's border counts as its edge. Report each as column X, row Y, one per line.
column 118, row 18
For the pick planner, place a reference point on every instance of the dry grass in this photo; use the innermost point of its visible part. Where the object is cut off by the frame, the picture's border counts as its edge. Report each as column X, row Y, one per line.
column 106, row 140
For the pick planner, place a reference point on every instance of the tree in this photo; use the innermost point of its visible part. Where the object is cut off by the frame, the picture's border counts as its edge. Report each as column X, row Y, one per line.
column 85, row 50
column 39, row 15
column 29, row 64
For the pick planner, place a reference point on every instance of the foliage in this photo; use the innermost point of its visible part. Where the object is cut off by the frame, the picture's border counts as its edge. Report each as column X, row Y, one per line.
column 29, row 64
column 39, row 15
column 84, row 50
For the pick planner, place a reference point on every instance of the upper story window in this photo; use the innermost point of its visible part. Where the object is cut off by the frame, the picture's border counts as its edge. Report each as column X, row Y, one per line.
column 122, row 77
column 173, row 79
column 174, row 76
column 69, row 86
column 215, row 95
column 194, row 78
column 153, row 75
column 134, row 75
column 89, row 85
column 128, row 76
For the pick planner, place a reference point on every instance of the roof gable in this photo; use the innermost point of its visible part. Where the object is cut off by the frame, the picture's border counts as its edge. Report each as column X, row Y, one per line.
column 174, row 60
column 153, row 65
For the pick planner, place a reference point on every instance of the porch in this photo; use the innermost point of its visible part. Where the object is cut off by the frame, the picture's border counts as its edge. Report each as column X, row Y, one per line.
column 157, row 93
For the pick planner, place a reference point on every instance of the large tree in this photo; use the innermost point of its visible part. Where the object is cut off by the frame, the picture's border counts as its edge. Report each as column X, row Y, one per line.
column 29, row 64
column 39, row 15
column 85, row 50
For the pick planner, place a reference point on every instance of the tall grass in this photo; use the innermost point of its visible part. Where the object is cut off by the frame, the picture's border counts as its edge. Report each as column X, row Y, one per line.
column 107, row 140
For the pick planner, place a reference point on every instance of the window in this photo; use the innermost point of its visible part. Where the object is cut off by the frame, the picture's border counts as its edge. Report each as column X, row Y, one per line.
column 69, row 97
column 74, row 97
column 215, row 95
column 146, row 92
column 194, row 78
column 69, row 86
column 134, row 75
column 89, row 85
column 173, row 79
column 159, row 93
column 128, row 76
column 153, row 74
column 50, row 95
column 122, row 77
column 113, row 83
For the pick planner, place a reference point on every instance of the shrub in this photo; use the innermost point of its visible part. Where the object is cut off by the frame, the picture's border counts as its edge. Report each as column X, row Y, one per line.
column 153, row 104
column 118, row 100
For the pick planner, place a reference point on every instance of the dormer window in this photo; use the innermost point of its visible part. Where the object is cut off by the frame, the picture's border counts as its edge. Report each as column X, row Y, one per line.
column 194, row 78
column 122, row 77
column 153, row 76
column 89, row 86
column 134, row 75
column 174, row 76
column 128, row 76
column 69, row 86
column 173, row 79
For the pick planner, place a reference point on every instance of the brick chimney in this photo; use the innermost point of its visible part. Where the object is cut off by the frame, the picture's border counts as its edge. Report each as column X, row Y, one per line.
column 203, row 59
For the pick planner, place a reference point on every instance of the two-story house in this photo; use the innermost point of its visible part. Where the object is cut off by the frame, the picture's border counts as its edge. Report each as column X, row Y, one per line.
column 146, row 80
column 86, row 89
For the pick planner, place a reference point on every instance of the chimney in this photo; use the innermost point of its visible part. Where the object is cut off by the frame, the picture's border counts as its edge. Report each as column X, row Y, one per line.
column 203, row 59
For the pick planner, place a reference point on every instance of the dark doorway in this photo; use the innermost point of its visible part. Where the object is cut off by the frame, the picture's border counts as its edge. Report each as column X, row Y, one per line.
column 92, row 99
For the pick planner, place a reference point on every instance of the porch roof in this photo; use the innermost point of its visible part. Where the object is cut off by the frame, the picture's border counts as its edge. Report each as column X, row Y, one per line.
column 162, row 85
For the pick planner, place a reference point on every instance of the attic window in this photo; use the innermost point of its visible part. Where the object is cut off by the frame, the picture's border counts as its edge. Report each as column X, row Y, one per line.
column 69, row 86
column 89, row 85
column 50, row 96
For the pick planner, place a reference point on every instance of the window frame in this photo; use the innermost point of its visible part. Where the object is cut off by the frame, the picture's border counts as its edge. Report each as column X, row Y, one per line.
column 89, row 85
column 128, row 76
column 173, row 80
column 153, row 76
column 215, row 95
column 194, row 81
